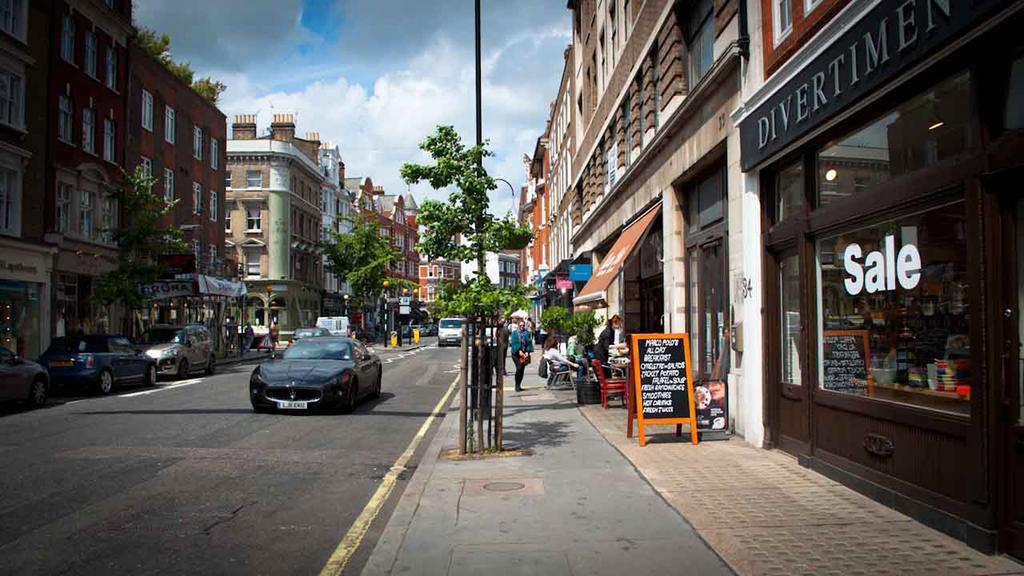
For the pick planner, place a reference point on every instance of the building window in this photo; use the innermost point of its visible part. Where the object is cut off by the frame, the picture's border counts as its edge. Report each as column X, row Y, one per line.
column 893, row 307
column 109, row 139
column 67, row 38
column 252, row 264
column 213, row 206
column 65, row 120
column 214, row 153
column 705, row 203
column 700, row 39
column 627, row 121
column 782, row 19
column 89, row 130
column 12, row 18
column 147, row 110
column 197, row 198
column 108, row 218
column 254, row 179
column 168, row 185
column 810, row 5
column 12, row 95
column 147, row 169
column 656, row 84
column 252, row 219
column 90, row 53
column 197, row 251
column 227, row 221
column 213, row 254
column 789, row 300
column 169, row 125
column 197, row 142
column 10, row 201
column 112, row 69
column 85, row 214
column 64, row 193
column 227, row 180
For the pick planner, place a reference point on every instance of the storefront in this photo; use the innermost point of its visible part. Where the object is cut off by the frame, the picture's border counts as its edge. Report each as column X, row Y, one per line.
column 25, row 271
column 890, row 168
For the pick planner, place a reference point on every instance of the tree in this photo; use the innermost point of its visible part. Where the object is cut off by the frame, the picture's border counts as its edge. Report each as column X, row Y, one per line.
column 209, row 88
column 140, row 238
column 159, row 47
column 463, row 229
column 557, row 320
column 362, row 259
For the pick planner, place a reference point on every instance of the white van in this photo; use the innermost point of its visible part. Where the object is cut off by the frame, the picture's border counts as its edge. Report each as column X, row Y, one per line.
column 449, row 332
column 337, row 325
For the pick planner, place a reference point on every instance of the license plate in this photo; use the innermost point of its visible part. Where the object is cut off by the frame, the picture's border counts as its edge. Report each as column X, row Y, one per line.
column 292, row 405
column 61, row 364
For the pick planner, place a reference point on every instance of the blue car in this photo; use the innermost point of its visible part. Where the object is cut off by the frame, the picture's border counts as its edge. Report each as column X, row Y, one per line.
column 102, row 362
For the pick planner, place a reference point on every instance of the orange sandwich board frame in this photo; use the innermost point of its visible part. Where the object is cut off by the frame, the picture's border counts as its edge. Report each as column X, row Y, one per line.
column 638, row 399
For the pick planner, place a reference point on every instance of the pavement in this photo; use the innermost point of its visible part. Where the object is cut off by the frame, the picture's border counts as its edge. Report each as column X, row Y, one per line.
column 767, row 515
column 575, row 506
column 183, row 478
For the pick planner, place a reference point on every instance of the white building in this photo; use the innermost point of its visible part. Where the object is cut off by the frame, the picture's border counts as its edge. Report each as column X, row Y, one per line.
column 501, row 268
column 337, row 212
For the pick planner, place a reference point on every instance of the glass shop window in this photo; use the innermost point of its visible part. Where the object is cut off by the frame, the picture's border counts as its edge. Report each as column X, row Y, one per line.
column 923, row 131
column 789, row 191
column 893, row 311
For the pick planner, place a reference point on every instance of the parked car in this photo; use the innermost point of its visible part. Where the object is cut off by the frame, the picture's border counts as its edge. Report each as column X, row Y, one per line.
column 179, row 350
column 101, row 361
column 430, row 330
column 449, row 331
column 301, row 333
column 318, row 372
column 22, row 379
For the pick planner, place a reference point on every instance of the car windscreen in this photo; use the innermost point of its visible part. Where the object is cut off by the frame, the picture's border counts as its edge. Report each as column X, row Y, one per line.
column 451, row 323
column 77, row 344
column 317, row 349
column 163, row 336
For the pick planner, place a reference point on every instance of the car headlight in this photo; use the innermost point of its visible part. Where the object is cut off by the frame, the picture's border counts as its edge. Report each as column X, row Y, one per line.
column 256, row 379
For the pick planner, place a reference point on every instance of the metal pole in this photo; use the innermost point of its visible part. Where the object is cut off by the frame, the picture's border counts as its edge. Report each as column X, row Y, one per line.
column 463, row 382
column 479, row 107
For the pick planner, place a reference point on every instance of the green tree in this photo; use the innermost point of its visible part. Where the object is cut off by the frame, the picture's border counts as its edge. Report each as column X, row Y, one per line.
column 209, row 88
column 140, row 238
column 557, row 320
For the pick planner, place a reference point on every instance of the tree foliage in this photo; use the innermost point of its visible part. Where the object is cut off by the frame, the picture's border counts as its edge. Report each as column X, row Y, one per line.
column 583, row 325
column 141, row 237
column 556, row 319
column 159, row 46
column 361, row 259
column 462, row 228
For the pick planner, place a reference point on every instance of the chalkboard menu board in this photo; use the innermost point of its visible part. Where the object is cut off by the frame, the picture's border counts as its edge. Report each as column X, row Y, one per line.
column 662, row 376
column 845, row 360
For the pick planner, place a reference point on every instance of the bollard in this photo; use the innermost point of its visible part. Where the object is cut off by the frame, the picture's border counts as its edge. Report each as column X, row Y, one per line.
column 394, row 338
column 415, row 335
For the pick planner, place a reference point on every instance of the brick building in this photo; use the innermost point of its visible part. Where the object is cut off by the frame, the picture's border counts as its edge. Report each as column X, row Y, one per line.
column 274, row 221
column 86, row 108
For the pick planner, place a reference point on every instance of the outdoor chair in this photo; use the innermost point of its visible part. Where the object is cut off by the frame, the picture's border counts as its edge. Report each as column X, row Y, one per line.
column 559, row 373
column 609, row 386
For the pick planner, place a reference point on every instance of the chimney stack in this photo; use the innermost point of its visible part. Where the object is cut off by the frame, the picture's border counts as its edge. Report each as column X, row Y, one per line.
column 283, row 127
column 313, row 137
column 244, row 127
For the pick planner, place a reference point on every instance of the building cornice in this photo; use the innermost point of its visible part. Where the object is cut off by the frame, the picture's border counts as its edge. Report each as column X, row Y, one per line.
column 258, row 149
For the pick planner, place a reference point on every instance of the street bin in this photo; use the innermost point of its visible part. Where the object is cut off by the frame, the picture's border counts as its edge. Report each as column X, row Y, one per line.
column 416, row 335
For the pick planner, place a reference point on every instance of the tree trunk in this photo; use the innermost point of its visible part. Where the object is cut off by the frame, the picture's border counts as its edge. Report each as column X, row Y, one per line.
column 480, row 382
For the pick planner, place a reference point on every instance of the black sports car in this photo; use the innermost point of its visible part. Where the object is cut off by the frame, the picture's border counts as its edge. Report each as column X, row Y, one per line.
column 320, row 372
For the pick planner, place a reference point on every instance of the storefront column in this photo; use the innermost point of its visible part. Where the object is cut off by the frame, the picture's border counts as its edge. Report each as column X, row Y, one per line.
column 748, row 394
column 675, row 261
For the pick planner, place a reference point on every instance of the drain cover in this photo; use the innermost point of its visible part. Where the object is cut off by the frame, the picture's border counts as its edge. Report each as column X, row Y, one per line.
column 504, row 486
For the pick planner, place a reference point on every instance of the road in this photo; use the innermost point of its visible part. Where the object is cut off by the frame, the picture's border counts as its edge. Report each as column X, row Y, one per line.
column 185, row 479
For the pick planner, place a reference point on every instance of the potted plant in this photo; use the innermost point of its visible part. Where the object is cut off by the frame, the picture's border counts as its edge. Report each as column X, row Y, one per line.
column 583, row 325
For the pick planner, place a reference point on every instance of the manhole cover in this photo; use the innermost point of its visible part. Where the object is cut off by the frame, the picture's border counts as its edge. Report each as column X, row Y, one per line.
column 504, row 486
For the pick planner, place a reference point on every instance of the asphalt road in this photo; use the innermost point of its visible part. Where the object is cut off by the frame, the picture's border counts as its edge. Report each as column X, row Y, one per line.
column 185, row 479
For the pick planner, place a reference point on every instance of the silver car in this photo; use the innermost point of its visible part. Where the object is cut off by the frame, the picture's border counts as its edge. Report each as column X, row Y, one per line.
column 22, row 379
column 180, row 350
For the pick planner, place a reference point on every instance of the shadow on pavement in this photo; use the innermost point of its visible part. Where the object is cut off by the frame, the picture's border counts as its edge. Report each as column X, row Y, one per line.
column 538, row 433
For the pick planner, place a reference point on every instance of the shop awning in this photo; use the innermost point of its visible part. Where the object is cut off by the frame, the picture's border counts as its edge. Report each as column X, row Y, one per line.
column 594, row 293
column 220, row 286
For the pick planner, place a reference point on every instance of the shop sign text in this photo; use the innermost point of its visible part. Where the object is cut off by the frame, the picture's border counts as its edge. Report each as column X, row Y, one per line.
column 881, row 271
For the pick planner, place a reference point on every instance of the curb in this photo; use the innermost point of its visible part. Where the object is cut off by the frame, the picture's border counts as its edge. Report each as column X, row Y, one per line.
column 234, row 361
column 385, row 553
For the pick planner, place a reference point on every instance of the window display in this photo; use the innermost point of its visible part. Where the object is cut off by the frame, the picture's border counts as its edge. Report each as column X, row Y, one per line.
column 894, row 319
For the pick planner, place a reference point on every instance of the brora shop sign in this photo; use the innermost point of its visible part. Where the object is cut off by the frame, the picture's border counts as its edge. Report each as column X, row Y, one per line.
column 873, row 50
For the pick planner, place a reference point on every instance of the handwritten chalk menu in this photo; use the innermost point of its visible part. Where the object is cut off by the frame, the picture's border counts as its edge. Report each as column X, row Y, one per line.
column 845, row 356
column 662, row 376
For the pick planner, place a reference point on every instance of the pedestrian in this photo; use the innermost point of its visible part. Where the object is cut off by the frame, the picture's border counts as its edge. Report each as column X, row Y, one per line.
column 521, row 342
column 248, row 335
column 274, row 332
column 557, row 362
column 612, row 337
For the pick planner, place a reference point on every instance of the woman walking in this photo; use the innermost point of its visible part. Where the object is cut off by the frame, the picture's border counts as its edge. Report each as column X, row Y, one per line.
column 521, row 343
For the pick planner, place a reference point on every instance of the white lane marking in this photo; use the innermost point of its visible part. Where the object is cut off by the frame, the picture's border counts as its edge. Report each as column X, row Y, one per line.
column 162, row 388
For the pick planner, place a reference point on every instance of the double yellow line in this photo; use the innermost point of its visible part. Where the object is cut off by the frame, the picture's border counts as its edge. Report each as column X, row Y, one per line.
column 354, row 537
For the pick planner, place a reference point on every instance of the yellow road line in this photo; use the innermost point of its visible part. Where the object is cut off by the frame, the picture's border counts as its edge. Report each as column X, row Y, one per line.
column 350, row 543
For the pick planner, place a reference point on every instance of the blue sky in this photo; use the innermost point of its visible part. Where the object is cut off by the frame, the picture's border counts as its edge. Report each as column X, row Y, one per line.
column 375, row 76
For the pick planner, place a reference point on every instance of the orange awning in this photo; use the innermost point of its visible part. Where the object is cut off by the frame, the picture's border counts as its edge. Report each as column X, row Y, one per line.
column 594, row 291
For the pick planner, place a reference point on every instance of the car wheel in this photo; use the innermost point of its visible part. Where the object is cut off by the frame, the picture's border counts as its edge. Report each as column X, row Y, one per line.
column 151, row 375
column 105, row 382
column 353, row 394
column 183, row 369
column 211, row 365
column 376, row 388
column 259, row 409
column 37, row 395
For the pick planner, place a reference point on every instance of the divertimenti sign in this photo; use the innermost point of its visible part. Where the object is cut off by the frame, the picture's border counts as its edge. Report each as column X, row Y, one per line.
column 883, row 43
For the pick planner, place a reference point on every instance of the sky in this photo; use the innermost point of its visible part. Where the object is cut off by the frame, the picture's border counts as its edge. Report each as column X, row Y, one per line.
column 376, row 76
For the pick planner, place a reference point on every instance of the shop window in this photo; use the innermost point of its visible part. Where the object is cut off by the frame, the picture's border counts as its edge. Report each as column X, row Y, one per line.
column 789, row 191
column 1015, row 95
column 893, row 311
column 19, row 318
column 705, row 204
column 789, row 305
column 1020, row 303
column 926, row 130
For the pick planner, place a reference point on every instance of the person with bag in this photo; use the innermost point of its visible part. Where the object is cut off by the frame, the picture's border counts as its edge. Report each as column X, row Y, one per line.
column 521, row 343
